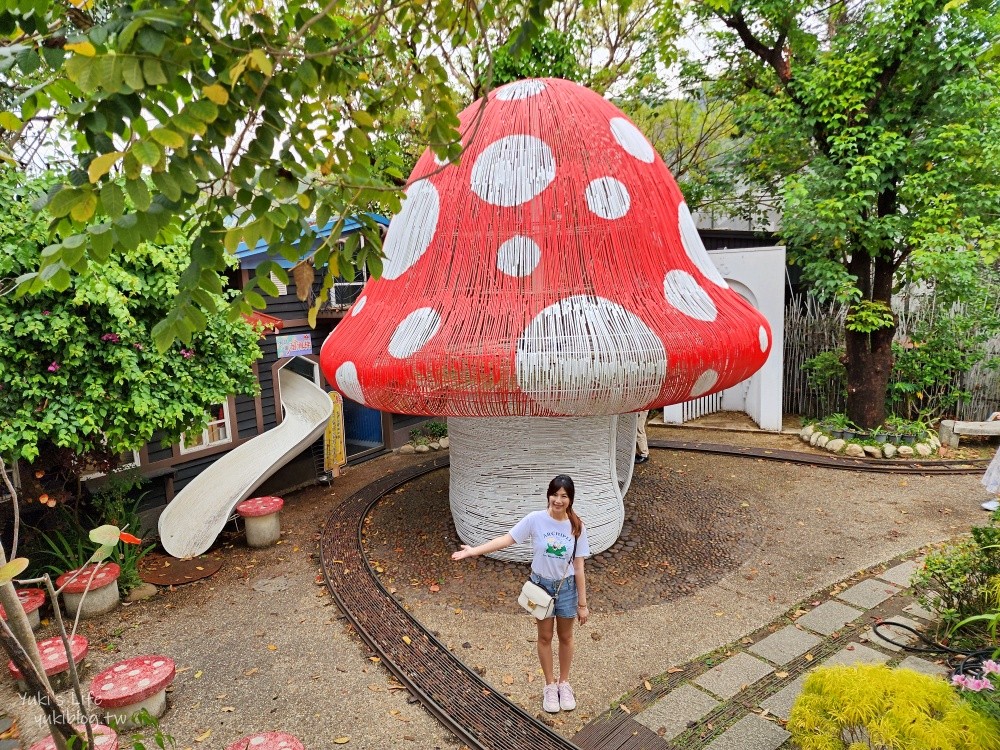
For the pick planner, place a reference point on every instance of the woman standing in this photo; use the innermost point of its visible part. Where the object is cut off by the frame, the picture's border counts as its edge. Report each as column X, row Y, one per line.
column 559, row 544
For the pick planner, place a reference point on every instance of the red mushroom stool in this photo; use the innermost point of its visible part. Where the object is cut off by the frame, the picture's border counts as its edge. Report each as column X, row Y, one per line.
column 101, row 596
column 126, row 688
column 105, row 738
column 31, row 600
column 267, row 741
column 261, row 516
column 54, row 661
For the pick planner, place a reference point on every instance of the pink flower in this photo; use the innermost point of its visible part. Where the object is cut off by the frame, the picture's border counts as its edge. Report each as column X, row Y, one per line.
column 959, row 680
column 990, row 666
column 53, row 367
column 976, row 684
column 187, row 353
column 114, row 338
column 45, row 312
column 139, row 347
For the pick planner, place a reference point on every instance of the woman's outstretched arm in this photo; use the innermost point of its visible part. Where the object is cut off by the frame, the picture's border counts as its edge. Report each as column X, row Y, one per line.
column 486, row 547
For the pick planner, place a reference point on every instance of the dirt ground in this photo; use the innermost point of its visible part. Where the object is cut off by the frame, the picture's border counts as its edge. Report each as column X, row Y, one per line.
column 720, row 546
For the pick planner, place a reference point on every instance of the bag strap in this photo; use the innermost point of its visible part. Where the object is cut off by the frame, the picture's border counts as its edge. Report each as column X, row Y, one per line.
column 566, row 572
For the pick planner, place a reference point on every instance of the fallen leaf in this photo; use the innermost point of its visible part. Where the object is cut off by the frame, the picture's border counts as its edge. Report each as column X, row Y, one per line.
column 435, row 588
column 624, row 708
column 271, row 647
column 406, row 640
column 374, row 659
column 250, row 672
column 228, row 709
column 341, row 740
column 508, row 679
column 781, row 675
column 675, row 670
column 203, row 736
column 808, row 657
column 197, row 675
column 645, row 684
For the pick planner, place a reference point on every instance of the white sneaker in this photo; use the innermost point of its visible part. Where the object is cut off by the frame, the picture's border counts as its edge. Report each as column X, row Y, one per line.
column 550, row 698
column 567, row 701
column 991, row 505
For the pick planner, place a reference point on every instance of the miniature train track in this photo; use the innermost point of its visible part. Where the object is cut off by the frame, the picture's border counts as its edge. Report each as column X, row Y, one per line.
column 880, row 466
column 449, row 690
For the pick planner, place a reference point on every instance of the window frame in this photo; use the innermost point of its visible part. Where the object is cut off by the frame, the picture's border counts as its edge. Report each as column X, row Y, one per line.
column 206, row 443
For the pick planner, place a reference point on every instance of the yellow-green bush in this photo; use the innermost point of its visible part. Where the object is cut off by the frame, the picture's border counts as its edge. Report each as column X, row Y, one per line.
column 873, row 707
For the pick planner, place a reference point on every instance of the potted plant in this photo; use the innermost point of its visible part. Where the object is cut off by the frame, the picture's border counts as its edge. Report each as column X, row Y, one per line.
column 836, row 424
column 895, row 426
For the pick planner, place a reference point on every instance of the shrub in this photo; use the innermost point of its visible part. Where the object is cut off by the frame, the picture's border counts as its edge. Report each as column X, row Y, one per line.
column 960, row 580
column 873, row 706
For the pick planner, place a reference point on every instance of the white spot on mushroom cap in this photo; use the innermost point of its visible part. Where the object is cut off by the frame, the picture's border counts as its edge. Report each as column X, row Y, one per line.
column 520, row 90
column 347, row 382
column 257, row 740
column 359, row 305
column 764, row 338
column 518, row 256
column 412, row 230
column 683, row 292
column 608, row 198
column 587, row 354
column 695, row 248
column 705, row 382
column 144, row 682
column 513, row 170
column 414, row 332
column 631, row 139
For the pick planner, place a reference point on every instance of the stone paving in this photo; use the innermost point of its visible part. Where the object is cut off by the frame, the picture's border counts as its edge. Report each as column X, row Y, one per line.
column 739, row 697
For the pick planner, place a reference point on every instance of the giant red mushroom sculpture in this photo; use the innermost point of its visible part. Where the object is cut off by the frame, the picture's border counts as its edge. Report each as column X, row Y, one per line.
column 538, row 293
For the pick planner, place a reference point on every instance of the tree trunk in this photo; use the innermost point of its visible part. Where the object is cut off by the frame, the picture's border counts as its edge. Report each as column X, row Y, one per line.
column 869, row 364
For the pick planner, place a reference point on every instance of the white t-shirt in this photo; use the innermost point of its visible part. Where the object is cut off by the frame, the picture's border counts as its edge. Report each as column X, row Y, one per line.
column 551, row 542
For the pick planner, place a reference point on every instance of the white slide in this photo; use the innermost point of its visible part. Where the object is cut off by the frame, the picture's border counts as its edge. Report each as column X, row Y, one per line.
column 192, row 521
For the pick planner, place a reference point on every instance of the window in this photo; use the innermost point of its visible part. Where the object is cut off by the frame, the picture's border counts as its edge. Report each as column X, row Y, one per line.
column 344, row 291
column 282, row 287
column 215, row 433
column 126, row 460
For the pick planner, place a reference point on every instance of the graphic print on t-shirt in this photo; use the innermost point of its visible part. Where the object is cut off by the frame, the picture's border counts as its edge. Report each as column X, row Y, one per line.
column 553, row 548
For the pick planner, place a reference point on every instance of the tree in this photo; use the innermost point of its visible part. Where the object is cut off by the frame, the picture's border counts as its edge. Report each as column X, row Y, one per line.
column 80, row 378
column 254, row 121
column 877, row 124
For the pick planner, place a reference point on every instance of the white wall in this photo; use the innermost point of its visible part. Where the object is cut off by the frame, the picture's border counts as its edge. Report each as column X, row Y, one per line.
column 758, row 275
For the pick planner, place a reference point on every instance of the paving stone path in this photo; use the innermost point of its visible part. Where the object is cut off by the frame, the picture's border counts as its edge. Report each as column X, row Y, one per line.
column 739, row 697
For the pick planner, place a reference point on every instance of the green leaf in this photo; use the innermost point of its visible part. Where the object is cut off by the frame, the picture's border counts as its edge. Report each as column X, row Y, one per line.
column 132, row 72
column 84, row 208
column 168, row 138
column 102, row 164
column 152, row 71
column 217, row 94
column 147, row 153
column 101, row 242
column 167, row 185
column 9, row 121
column 112, row 200
column 103, row 552
column 106, row 534
column 139, row 193
column 13, row 569
column 63, row 201
column 363, row 119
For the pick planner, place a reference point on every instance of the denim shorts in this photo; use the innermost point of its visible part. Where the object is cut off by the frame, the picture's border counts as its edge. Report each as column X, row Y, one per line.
column 566, row 599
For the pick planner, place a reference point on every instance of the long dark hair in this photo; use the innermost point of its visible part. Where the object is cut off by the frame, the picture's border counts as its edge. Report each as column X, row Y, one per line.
column 565, row 482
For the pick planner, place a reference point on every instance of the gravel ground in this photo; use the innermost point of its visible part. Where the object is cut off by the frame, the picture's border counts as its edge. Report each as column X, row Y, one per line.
column 259, row 646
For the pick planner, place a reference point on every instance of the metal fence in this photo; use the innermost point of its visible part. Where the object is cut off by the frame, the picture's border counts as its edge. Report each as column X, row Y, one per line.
column 812, row 328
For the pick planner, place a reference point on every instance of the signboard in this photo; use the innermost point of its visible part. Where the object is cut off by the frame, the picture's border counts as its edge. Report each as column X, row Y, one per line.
column 334, row 441
column 298, row 343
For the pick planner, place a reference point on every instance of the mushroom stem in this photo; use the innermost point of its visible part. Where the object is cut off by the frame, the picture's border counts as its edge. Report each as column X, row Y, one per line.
column 501, row 467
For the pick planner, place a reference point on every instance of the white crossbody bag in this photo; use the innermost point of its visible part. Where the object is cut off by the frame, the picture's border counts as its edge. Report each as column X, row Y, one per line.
column 538, row 602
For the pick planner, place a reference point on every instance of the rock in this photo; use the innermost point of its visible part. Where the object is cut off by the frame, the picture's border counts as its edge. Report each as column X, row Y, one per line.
column 443, row 442
column 889, row 450
column 408, row 448
column 872, row 450
column 141, row 592
column 854, row 450
column 905, row 451
column 823, row 440
column 422, row 449
column 923, row 449
column 815, row 437
column 807, row 432
column 836, row 445
column 435, row 446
